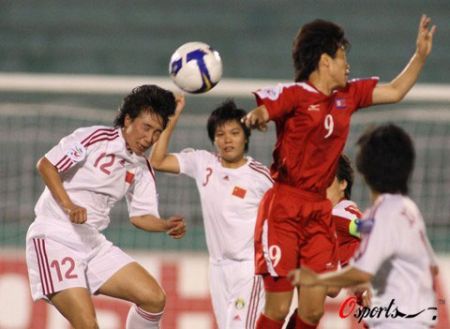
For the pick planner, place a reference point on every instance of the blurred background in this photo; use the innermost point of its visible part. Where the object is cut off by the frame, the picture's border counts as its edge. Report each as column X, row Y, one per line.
column 67, row 64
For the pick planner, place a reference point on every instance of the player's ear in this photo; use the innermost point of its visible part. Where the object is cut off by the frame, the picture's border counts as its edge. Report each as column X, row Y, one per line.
column 324, row 60
column 343, row 185
column 127, row 121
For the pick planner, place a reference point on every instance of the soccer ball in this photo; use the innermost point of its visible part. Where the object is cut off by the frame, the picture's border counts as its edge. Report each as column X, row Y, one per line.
column 195, row 67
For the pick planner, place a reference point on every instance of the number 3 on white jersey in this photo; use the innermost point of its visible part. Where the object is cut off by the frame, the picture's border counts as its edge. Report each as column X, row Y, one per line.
column 329, row 125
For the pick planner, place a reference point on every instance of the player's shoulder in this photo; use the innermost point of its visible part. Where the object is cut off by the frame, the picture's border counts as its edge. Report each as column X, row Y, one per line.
column 259, row 170
column 273, row 92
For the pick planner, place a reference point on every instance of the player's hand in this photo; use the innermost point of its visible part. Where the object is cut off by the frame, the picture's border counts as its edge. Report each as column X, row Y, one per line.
column 176, row 227
column 257, row 119
column 425, row 37
column 77, row 214
column 180, row 103
column 303, row 277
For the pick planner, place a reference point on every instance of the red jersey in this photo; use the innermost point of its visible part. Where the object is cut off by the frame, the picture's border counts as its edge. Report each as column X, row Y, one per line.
column 311, row 129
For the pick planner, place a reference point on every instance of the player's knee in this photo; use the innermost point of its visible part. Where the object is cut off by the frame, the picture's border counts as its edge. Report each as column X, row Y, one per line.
column 152, row 300
column 278, row 312
column 86, row 321
column 313, row 315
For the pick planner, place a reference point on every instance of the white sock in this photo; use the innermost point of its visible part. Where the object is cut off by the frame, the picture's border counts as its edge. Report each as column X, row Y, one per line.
column 140, row 319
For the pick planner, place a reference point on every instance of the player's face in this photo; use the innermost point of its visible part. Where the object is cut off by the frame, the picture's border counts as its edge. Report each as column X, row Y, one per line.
column 230, row 140
column 142, row 132
column 335, row 192
column 339, row 69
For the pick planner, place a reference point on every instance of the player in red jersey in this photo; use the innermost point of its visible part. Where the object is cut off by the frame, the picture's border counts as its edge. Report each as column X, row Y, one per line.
column 312, row 118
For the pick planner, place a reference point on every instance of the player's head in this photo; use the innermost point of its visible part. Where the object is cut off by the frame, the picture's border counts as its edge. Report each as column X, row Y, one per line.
column 319, row 42
column 143, row 115
column 386, row 159
column 226, row 131
column 341, row 188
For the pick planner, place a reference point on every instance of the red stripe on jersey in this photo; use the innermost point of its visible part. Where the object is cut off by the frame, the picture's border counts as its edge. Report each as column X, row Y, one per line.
column 264, row 171
column 66, row 166
column 102, row 137
column 59, row 162
column 101, row 130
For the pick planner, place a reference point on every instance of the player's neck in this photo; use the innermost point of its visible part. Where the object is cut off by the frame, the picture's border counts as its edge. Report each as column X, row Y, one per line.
column 233, row 164
column 321, row 83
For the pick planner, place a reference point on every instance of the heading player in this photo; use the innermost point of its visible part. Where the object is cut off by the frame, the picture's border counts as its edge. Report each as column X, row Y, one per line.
column 231, row 186
column 68, row 257
column 395, row 254
column 312, row 118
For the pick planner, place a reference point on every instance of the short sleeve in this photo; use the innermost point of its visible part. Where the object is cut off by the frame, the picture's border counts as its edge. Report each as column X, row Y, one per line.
column 278, row 100
column 142, row 197
column 73, row 149
column 378, row 245
column 189, row 161
column 361, row 91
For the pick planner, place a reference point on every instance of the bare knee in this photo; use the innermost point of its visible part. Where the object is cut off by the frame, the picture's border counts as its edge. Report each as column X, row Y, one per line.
column 86, row 321
column 333, row 291
column 277, row 311
column 312, row 315
column 151, row 300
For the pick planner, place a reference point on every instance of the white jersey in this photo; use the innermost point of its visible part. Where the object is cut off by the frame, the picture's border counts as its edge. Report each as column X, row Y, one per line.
column 229, row 200
column 97, row 169
column 397, row 252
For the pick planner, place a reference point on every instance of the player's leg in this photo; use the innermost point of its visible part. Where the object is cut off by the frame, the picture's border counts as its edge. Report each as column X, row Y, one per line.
column 75, row 304
column 218, row 291
column 318, row 249
column 246, row 295
column 134, row 284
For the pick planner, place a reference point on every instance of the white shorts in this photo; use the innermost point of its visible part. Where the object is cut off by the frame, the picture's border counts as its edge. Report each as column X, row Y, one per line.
column 237, row 294
column 57, row 261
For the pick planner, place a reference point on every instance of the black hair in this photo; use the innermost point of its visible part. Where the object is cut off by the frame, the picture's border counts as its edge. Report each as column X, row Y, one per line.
column 314, row 39
column 386, row 159
column 149, row 98
column 227, row 111
column 345, row 172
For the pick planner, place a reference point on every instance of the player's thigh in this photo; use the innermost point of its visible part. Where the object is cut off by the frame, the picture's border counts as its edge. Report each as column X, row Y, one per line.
column 133, row 283
column 218, row 291
column 53, row 266
column 246, row 297
column 76, row 305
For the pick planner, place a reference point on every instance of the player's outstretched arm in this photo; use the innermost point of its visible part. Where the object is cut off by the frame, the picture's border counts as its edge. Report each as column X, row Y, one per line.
column 174, row 226
column 396, row 90
column 52, row 180
column 257, row 118
column 347, row 277
column 159, row 158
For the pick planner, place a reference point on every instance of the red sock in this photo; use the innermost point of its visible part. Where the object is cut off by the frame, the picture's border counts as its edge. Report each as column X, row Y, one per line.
column 292, row 320
column 265, row 323
column 303, row 325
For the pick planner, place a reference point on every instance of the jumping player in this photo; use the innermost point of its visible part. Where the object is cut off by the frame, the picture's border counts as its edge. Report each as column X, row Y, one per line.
column 231, row 186
column 395, row 254
column 68, row 257
column 312, row 118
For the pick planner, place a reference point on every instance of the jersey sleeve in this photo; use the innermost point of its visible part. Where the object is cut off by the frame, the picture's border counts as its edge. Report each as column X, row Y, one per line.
column 378, row 245
column 279, row 100
column 189, row 161
column 72, row 150
column 361, row 91
column 142, row 197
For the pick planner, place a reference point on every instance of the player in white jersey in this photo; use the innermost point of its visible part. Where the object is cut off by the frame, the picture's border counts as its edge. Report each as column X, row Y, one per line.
column 395, row 254
column 231, row 186
column 85, row 174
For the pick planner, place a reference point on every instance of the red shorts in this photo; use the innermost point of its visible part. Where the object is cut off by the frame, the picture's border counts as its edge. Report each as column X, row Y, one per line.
column 293, row 229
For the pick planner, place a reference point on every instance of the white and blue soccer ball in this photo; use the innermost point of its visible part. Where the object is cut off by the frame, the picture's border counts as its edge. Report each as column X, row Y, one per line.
column 195, row 67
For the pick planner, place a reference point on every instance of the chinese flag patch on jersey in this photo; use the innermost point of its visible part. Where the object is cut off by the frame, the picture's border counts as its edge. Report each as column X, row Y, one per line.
column 239, row 192
column 129, row 177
